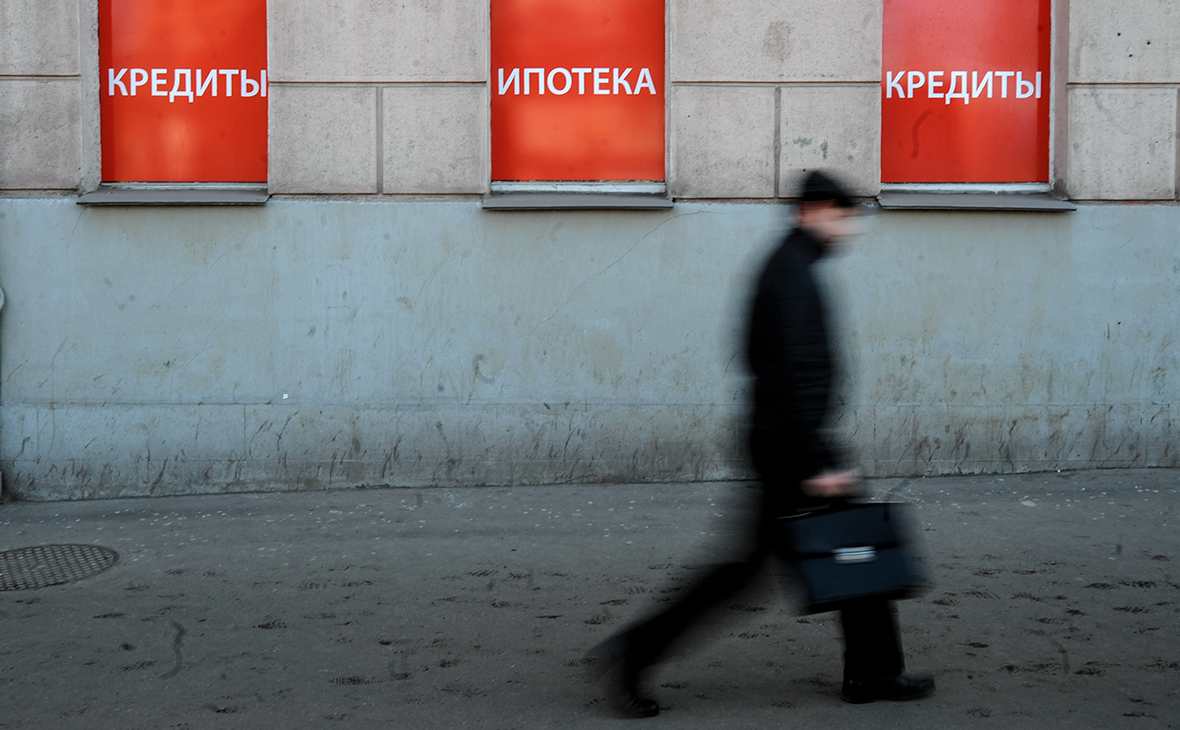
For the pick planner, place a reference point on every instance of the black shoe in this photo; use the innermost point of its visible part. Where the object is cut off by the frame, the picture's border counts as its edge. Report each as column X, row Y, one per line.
column 896, row 689
column 612, row 663
column 633, row 705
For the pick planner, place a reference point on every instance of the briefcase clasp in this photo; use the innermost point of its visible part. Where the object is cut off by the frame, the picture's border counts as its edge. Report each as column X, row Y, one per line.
column 865, row 554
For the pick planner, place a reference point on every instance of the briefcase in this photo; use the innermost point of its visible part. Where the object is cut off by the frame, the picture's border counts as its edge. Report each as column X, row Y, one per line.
column 853, row 550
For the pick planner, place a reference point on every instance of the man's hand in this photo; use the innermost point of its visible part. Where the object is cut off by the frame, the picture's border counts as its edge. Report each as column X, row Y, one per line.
column 833, row 484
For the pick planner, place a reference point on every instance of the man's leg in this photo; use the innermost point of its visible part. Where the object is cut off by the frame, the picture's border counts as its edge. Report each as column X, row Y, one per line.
column 628, row 653
column 872, row 645
column 648, row 640
column 873, row 660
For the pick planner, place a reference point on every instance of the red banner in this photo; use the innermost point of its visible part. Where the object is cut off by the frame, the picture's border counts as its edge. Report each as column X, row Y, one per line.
column 577, row 90
column 183, row 90
column 965, row 91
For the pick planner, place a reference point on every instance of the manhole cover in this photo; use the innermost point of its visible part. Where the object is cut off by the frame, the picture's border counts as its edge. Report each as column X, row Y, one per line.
column 52, row 565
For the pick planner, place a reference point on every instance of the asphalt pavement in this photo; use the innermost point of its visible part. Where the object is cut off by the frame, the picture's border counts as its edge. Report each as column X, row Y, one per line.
column 1056, row 604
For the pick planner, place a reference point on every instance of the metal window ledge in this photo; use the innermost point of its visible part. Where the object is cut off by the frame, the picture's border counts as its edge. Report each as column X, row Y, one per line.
column 1037, row 203
column 153, row 196
column 575, row 201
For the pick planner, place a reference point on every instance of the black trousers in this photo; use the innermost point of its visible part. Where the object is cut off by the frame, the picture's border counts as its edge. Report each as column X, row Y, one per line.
column 872, row 644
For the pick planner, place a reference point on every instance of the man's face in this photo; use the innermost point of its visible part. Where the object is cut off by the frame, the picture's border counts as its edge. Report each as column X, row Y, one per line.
column 829, row 222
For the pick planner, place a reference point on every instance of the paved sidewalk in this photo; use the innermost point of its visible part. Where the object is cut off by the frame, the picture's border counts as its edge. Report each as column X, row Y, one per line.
column 1057, row 604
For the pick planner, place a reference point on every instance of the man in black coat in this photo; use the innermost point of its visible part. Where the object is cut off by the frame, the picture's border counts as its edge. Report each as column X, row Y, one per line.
column 789, row 351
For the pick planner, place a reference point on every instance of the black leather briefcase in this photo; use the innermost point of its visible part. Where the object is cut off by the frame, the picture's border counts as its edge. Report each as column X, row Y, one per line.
column 853, row 550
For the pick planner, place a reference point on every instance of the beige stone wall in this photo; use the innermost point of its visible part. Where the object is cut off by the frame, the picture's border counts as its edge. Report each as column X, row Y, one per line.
column 378, row 97
column 1124, row 100
column 762, row 88
column 758, row 88
column 391, row 98
column 40, row 95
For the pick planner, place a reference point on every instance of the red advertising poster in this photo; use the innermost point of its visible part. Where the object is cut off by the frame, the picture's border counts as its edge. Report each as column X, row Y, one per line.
column 577, row 90
column 183, row 90
column 965, row 91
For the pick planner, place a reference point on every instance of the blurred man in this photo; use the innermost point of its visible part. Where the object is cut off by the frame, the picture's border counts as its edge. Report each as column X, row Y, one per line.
column 789, row 350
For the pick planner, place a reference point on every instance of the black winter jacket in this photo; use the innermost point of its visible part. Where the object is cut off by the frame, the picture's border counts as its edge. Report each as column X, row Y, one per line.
column 789, row 351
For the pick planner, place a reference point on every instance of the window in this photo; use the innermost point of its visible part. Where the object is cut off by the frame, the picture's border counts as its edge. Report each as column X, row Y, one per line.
column 965, row 91
column 578, row 94
column 183, row 91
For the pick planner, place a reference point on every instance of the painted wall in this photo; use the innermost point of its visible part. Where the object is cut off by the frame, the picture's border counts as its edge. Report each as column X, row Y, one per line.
column 331, row 343
column 420, row 340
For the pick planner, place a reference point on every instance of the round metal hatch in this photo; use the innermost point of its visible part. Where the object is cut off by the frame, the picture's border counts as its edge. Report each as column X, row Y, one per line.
column 52, row 565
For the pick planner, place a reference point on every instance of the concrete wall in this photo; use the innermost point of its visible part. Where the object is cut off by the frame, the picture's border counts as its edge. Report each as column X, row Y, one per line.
column 312, row 344
column 420, row 340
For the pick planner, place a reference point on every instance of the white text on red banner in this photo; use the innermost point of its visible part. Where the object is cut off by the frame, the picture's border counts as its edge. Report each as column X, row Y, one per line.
column 560, row 80
column 129, row 80
column 907, row 83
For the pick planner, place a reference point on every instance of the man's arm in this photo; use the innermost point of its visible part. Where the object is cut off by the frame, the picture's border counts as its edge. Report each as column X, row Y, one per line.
column 804, row 372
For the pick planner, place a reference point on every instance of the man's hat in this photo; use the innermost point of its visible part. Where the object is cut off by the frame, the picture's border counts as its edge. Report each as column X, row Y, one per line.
column 820, row 187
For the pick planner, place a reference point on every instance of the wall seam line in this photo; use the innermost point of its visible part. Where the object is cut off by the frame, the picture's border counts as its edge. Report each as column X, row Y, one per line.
column 778, row 141
column 369, row 83
column 379, row 111
column 40, row 77
column 1122, row 84
column 779, row 84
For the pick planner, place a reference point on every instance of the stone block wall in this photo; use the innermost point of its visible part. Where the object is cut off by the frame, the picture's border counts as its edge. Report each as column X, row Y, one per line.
column 385, row 98
column 371, row 98
column 40, row 95
column 761, row 88
column 1124, row 100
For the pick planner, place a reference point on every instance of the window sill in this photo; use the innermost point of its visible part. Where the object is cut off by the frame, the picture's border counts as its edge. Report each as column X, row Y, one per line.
column 1036, row 202
column 575, row 201
column 148, row 195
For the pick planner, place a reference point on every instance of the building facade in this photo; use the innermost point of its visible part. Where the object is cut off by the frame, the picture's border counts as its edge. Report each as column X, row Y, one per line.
column 380, row 318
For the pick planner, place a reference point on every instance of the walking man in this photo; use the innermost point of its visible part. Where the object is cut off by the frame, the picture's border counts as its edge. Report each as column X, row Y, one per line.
column 789, row 351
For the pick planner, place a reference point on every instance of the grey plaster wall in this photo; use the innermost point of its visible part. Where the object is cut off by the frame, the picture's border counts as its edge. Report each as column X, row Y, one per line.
column 318, row 342
column 309, row 344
